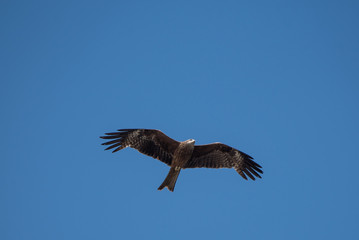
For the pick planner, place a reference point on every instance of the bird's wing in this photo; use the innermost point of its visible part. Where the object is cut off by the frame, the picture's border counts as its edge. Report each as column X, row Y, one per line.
column 218, row 155
column 153, row 143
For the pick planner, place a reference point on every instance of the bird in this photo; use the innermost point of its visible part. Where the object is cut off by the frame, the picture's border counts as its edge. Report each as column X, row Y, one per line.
column 181, row 155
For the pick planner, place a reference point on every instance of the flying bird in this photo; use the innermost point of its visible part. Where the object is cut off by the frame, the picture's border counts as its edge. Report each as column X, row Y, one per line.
column 182, row 155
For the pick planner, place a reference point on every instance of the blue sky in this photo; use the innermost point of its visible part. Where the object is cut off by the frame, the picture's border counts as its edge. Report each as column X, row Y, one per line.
column 275, row 79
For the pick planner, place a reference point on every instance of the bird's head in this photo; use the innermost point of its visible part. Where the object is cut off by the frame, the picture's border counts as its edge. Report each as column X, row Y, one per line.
column 190, row 141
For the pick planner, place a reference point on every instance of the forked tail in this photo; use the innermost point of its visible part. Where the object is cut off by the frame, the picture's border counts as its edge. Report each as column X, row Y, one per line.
column 170, row 180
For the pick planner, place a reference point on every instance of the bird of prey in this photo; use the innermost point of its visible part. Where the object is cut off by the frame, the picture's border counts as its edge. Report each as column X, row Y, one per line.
column 181, row 155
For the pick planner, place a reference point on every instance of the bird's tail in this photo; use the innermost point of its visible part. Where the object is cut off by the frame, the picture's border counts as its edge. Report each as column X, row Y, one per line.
column 171, row 179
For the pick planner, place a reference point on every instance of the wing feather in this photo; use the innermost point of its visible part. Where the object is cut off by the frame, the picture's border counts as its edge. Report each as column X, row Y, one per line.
column 219, row 155
column 151, row 142
column 113, row 146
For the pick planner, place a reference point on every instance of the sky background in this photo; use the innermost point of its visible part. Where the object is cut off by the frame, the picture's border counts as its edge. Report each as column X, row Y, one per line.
column 278, row 80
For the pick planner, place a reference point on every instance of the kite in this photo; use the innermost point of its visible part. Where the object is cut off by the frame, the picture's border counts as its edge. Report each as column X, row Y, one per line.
column 182, row 155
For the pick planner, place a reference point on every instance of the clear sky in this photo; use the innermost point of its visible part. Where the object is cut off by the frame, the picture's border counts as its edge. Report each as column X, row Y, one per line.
column 278, row 80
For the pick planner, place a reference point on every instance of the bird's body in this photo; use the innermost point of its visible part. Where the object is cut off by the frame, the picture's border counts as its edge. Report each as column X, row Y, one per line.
column 181, row 155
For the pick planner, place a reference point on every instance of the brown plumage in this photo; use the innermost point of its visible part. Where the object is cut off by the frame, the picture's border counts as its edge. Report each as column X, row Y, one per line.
column 181, row 155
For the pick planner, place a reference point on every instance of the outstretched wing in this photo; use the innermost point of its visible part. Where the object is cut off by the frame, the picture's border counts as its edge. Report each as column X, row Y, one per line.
column 153, row 143
column 218, row 155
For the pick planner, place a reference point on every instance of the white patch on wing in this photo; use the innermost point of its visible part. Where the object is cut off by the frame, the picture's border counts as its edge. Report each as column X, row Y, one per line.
column 238, row 159
column 135, row 134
